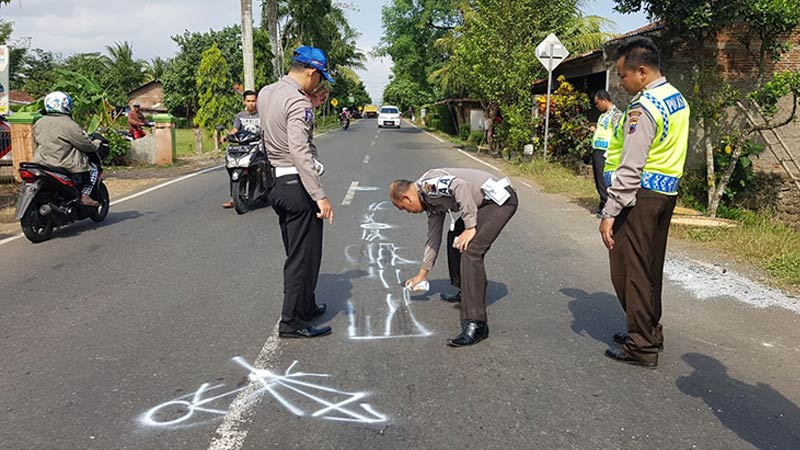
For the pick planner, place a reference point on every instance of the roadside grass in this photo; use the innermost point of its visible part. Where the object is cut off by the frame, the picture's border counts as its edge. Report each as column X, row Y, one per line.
column 184, row 142
column 761, row 241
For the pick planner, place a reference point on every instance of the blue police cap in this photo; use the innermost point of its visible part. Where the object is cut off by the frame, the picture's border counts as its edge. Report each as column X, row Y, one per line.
column 313, row 57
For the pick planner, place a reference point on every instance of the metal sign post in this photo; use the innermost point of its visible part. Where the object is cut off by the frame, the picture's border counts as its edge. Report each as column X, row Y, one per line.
column 550, row 52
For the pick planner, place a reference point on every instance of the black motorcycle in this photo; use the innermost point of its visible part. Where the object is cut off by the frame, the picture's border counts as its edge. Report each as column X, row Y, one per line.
column 248, row 169
column 345, row 122
column 50, row 196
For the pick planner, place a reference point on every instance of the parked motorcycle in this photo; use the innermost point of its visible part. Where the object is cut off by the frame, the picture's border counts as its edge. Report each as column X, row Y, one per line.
column 248, row 169
column 50, row 197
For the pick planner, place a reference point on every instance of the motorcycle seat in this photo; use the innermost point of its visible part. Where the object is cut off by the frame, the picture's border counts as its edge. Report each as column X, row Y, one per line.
column 59, row 170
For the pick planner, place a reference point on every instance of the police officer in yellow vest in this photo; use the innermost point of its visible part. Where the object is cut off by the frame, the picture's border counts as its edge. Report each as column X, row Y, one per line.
column 609, row 119
column 641, row 198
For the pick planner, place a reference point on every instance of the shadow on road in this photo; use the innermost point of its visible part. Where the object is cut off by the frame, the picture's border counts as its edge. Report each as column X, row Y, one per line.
column 78, row 228
column 757, row 413
column 494, row 291
column 596, row 315
column 335, row 289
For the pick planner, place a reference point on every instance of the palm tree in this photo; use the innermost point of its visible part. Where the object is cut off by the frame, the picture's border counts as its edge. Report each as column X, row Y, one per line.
column 155, row 69
column 125, row 73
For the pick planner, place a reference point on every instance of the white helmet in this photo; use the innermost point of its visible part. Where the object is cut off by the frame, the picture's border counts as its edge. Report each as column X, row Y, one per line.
column 344, row 109
column 58, row 102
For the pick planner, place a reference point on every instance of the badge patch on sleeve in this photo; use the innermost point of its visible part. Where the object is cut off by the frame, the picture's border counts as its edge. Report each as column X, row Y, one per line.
column 309, row 115
column 632, row 127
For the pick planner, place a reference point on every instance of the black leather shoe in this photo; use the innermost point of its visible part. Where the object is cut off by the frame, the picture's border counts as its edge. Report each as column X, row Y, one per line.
column 319, row 310
column 472, row 333
column 620, row 356
column 451, row 298
column 305, row 333
column 620, row 339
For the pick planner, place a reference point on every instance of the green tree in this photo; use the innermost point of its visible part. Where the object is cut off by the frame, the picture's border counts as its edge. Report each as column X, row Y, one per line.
column 694, row 23
column 124, row 72
column 493, row 52
column 216, row 98
column 93, row 66
column 412, row 29
column 37, row 72
column 155, row 69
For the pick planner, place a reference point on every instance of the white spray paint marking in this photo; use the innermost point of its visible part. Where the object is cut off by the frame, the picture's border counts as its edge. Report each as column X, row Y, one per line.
column 377, row 257
column 232, row 432
column 707, row 281
column 366, row 159
column 291, row 389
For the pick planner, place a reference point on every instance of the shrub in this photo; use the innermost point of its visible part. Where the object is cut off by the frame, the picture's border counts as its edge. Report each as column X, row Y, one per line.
column 464, row 131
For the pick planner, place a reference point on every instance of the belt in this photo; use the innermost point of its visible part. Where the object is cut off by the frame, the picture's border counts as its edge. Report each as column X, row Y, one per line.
column 651, row 181
column 283, row 171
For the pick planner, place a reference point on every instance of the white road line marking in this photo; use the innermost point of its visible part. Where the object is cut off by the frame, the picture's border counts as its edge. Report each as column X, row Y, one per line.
column 351, row 192
column 479, row 160
column 232, row 432
column 366, row 159
column 163, row 185
column 429, row 134
column 138, row 194
column 372, row 144
column 526, row 184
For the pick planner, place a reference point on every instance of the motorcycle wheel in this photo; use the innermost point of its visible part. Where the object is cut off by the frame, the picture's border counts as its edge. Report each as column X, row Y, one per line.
column 36, row 227
column 102, row 210
column 240, row 195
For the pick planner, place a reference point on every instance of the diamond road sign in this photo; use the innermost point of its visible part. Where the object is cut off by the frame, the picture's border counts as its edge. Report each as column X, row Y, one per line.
column 551, row 52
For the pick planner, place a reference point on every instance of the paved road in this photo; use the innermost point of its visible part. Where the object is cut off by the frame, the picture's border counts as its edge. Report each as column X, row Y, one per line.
column 122, row 336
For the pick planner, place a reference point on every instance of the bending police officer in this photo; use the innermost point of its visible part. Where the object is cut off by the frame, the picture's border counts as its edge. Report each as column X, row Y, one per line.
column 297, row 195
column 486, row 205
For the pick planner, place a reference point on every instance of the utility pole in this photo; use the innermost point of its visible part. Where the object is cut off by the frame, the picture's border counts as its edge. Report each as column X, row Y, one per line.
column 247, row 44
column 271, row 7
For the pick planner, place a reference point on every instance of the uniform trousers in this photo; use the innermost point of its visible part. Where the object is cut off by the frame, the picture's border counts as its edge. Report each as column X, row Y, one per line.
column 301, row 231
column 467, row 269
column 598, row 164
column 637, row 269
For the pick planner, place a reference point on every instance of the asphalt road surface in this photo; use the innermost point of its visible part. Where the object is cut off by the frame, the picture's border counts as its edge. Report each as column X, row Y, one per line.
column 156, row 330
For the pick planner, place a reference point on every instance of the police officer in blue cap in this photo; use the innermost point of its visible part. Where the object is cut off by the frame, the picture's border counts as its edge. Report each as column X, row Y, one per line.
column 298, row 196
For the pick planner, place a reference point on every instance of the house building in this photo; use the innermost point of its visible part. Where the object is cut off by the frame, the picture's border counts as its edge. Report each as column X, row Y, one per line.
column 150, row 96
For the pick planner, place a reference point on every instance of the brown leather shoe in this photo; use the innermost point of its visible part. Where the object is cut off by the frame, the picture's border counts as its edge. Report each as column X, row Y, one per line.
column 621, row 356
column 88, row 201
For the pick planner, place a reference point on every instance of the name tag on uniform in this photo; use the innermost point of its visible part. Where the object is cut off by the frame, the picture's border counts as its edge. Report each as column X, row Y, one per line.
column 675, row 103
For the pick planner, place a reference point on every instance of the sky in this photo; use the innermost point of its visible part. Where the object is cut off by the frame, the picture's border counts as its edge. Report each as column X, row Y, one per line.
column 71, row 26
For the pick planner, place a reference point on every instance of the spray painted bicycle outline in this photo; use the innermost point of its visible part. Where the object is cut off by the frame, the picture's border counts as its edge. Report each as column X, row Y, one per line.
column 270, row 383
column 382, row 257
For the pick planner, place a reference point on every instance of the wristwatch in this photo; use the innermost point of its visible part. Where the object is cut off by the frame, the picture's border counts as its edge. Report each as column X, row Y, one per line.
column 605, row 215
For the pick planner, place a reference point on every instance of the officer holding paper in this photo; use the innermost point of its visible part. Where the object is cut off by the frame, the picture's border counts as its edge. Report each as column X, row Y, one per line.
column 485, row 204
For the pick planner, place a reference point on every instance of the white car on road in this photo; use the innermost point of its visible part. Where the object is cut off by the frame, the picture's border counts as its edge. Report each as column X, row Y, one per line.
column 389, row 117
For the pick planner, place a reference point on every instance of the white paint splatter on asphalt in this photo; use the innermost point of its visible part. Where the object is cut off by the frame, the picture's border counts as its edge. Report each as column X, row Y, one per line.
column 707, row 281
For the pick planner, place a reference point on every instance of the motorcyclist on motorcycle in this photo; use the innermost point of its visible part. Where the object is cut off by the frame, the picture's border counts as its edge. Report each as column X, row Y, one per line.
column 247, row 120
column 137, row 121
column 60, row 142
